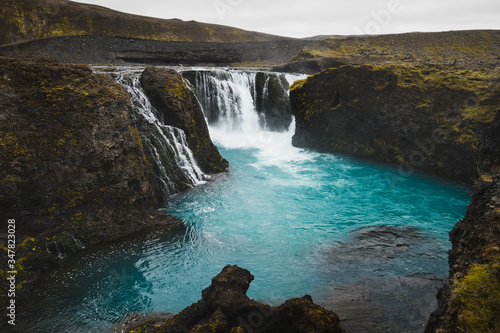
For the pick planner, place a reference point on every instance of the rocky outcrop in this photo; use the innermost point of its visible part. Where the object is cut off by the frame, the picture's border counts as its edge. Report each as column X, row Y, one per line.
column 73, row 171
column 470, row 300
column 415, row 116
column 225, row 307
column 179, row 107
column 272, row 100
column 307, row 63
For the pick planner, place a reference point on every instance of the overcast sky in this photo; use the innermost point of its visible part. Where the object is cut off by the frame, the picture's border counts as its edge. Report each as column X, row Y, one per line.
column 307, row 18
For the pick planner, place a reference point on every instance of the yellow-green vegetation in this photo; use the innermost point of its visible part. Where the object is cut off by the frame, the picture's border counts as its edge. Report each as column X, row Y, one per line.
column 424, row 47
column 477, row 295
column 10, row 148
column 473, row 88
column 177, row 88
column 11, row 179
column 24, row 251
column 304, row 97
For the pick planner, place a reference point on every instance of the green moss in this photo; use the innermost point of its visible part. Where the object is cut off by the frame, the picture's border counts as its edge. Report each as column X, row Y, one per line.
column 11, row 179
column 428, row 78
column 24, row 252
column 478, row 296
column 11, row 149
column 297, row 85
column 177, row 88
column 74, row 198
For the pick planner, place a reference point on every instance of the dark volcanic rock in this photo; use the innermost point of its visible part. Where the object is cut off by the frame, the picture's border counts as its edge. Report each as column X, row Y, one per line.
column 309, row 66
column 273, row 101
column 180, row 108
column 225, row 307
column 475, row 256
column 72, row 169
column 401, row 304
column 383, row 249
column 416, row 116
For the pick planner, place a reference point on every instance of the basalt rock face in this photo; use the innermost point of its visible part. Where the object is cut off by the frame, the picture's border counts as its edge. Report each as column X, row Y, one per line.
column 180, row 108
column 273, row 101
column 470, row 300
column 225, row 307
column 73, row 171
column 415, row 116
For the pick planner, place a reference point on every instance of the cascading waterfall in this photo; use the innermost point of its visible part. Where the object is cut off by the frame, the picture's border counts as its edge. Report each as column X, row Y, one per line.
column 174, row 163
column 244, row 108
column 290, row 216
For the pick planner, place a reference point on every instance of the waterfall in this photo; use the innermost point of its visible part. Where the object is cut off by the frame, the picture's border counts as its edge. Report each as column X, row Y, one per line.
column 244, row 108
column 172, row 159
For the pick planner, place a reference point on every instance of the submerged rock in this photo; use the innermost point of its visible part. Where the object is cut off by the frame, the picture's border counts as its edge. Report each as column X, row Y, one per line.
column 401, row 304
column 179, row 107
column 225, row 307
column 374, row 290
column 383, row 250
column 416, row 116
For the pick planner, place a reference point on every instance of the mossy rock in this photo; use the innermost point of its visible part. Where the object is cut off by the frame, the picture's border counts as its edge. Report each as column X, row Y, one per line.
column 417, row 116
column 179, row 107
column 71, row 165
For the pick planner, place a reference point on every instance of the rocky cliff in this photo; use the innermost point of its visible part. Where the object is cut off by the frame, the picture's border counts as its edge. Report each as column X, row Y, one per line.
column 225, row 308
column 427, row 117
column 470, row 299
column 74, row 170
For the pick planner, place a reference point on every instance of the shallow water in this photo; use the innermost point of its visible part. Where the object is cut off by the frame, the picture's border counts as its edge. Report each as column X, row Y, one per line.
column 287, row 215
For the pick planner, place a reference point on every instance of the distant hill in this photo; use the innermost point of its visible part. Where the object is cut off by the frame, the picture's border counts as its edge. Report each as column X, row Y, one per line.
column 24, row 20
column 477, row 48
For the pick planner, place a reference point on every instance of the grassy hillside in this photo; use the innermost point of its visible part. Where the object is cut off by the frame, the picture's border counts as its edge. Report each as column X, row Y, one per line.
column 440, row 47
column 23, row 20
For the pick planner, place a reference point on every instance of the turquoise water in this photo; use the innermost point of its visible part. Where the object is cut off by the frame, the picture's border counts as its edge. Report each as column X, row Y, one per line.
column 276, row 213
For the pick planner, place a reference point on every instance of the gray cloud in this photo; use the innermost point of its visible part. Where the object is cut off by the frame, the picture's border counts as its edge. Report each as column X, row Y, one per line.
column 324, row 17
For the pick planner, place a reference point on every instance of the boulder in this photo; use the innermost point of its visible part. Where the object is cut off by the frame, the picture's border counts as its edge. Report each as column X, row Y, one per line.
column 272, row 100
column 225, row 307
column 179, row 107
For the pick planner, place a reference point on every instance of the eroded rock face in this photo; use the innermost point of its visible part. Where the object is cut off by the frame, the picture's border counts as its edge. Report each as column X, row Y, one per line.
column 469, row 301
column 179, row 107
column 273, row 101
column 416, row 116
column 225, row 307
